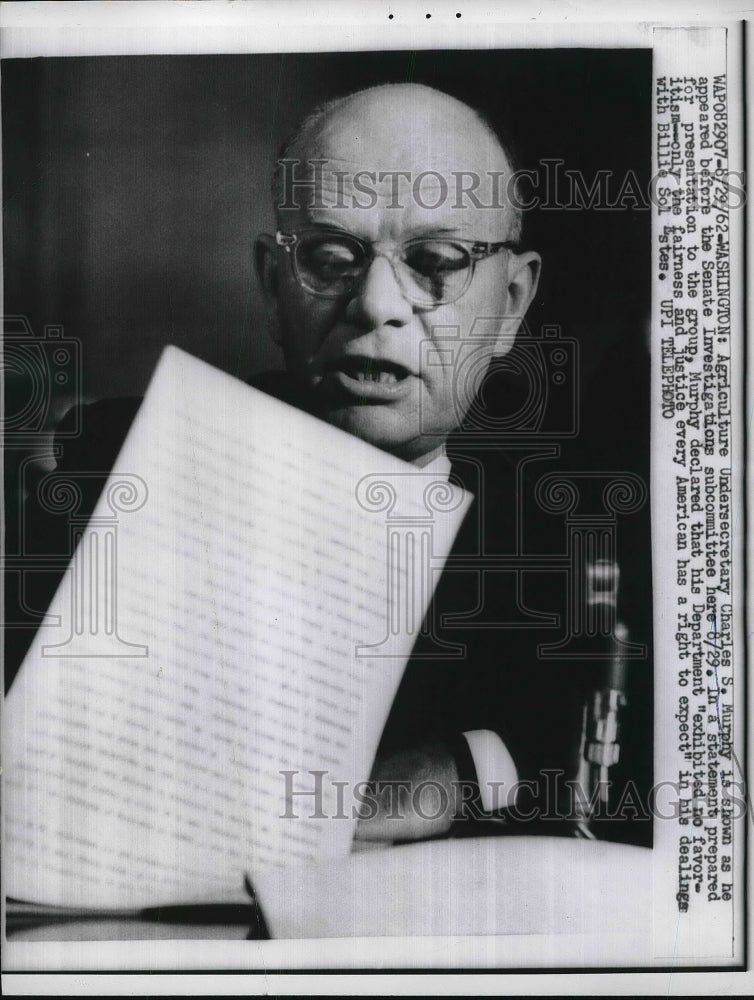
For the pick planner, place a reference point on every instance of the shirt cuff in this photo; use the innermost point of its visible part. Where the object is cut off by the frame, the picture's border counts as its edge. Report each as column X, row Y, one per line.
column 496, row 773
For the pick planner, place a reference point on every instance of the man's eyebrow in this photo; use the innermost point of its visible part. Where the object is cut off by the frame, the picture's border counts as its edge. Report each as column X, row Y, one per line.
column 420, row 231
column 428, row 231
column 310, row 222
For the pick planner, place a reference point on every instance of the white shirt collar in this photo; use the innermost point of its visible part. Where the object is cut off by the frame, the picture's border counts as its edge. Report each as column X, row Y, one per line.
column 439, row 466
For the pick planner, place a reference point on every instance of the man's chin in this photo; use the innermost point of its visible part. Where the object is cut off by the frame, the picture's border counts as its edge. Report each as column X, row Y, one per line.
column 378, row 427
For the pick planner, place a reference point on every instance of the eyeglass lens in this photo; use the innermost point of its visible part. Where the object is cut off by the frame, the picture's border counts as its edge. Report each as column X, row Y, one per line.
column 431, row 270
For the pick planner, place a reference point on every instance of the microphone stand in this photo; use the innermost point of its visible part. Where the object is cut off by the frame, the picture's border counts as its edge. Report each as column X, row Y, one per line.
column 599, row 748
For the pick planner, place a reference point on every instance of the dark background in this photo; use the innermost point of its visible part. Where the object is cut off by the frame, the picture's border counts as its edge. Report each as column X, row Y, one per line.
column 134, row 187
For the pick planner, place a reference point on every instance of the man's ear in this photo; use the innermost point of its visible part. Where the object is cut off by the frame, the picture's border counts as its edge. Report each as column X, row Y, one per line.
column 266, row 266
column 523, row 278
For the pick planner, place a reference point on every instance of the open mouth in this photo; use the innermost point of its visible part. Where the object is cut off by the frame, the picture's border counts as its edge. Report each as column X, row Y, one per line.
column 363, row 369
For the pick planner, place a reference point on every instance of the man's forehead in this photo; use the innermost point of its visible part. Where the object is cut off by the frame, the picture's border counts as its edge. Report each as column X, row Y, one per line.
column 405, row 127
column 385, row 170
column 399, row 150
column 397, row 203
column 401, row 145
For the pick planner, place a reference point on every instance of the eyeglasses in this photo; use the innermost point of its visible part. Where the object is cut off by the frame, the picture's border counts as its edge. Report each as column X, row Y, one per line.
column 431, row 270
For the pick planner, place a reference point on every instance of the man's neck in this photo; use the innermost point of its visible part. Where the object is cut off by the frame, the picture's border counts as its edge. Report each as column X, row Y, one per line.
column 281, row 386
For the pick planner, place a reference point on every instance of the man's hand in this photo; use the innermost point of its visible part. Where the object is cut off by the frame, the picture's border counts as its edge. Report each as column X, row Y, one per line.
column 414, row 796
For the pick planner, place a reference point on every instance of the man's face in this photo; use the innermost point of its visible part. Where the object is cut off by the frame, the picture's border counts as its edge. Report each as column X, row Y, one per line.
column 398, row 373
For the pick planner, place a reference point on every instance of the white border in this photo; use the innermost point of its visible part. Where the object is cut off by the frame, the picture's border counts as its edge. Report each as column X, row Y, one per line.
column 189, row 26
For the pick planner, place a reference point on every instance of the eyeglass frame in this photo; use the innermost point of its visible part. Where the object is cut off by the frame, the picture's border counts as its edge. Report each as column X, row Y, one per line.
column 478, row 250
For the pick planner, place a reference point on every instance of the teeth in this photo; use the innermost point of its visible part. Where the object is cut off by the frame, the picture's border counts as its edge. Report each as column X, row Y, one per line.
column 376, row 376
column 364, row 369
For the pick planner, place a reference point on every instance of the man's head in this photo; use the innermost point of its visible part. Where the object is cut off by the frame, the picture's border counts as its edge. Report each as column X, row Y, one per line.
column 390, row 334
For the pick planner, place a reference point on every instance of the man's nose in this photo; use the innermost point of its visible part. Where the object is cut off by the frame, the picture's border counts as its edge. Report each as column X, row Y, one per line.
column 379, row 300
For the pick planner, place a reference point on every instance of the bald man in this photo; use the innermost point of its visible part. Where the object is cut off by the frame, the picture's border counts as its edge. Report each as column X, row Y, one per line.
column 380, row 250
column 396, row 265
column 392, row 237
